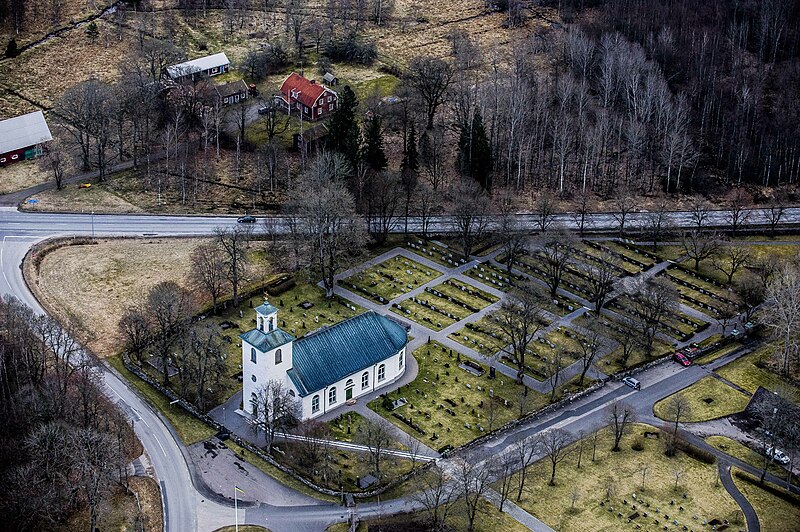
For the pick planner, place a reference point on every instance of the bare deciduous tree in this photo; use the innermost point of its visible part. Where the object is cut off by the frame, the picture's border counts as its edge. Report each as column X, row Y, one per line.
column 699, row 245
column 430, row 77
column 556, row 248
column 554, row 443
column 376, row 438
column 170, row 307
column 620, row 416
column 234, row 243
column 474, row 481
column 730, row 258
column 437, row 494
column 274, row 410
column 470, row 213
column 208, row 271
column 519, row 319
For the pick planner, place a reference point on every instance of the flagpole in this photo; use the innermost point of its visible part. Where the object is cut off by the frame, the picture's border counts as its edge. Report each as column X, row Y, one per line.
column 236, row 508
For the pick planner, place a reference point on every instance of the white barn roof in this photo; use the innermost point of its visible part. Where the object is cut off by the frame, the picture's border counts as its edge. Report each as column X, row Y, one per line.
column 198, row 65
column 23, row 131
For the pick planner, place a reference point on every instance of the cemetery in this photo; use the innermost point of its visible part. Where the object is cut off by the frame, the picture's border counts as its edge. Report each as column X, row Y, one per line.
column 451, row 402
column 637, row 488
column 436, row 251
column 444, row 304
column 390, row 279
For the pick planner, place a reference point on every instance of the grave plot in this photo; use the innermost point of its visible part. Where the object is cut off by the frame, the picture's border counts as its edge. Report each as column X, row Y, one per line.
column 436, row 252
column 613, row 362
column 633, row 259
column 574, row 279
column 444, row 304
column 493, row 275
column 453, row 400
column 390, row 279
column 544, row 349
column 676, row 324
column 593, row 253
column 485, row 336
column 699, row 292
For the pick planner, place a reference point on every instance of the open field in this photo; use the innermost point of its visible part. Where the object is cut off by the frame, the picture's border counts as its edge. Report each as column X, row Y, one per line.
column 450, row 404
column 390, row 279
column 620, row 476
column 775, row 514
column 93, row 283
column 100, row 198
column 708, row 398
column 747, row 373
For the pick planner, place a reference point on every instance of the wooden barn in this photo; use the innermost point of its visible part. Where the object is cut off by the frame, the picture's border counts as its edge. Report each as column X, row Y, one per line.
column 310, row 99
column 21, row 137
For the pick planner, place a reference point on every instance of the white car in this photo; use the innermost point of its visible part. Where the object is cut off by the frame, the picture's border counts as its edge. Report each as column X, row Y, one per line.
column 633, row 383
column 777, row 455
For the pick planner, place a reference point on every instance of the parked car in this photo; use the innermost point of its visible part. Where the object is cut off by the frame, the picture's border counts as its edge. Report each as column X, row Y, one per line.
column 777, row 455
column 633, row 383
column 246, row 219
column 681, row 359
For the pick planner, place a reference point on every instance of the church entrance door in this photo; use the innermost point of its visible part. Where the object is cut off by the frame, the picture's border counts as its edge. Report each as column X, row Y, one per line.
column 348, row 393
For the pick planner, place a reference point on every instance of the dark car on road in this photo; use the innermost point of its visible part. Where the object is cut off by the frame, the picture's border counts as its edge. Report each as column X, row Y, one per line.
column 246, row 219
column 681, row 359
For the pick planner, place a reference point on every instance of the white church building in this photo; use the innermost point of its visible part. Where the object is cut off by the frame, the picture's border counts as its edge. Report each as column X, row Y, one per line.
column 327, row 367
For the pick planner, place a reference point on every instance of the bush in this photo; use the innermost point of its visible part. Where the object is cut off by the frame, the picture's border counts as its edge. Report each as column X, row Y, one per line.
column 774, row 490
column 638, row 444
column 695, row 452
column 351, row 50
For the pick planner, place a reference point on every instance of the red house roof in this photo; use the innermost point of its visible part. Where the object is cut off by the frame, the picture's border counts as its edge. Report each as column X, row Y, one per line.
column 306, row 92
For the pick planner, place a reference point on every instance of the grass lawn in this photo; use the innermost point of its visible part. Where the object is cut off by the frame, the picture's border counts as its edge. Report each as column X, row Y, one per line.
column 22, row 175
column 666, row 252
column 621, row 474
column 744, row 453
column 774, row 513
column 442, row 387
column 708, row 398
column 745, row 372
column 391, row 278
column 718, row 353
column 190, row 430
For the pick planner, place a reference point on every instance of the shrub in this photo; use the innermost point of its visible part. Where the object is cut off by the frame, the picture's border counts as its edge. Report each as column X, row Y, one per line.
column 695, row 452
column 774, row 490
column 638, row 444
column 351, row 50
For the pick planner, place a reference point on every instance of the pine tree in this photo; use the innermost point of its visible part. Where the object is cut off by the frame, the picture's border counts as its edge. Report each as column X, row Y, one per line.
column 410, row 163
column 372, row 151
column 343, row 133
column 92, row 31
column 475, row 155
column 408, row 169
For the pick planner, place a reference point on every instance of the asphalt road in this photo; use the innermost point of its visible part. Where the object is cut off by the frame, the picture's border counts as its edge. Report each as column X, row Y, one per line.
column 187, row 504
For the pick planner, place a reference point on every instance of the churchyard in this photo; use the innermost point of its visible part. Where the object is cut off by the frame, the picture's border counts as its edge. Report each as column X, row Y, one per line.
column 444, row 304
column 638, row 487
column 437, row 252
column 700, row 292
column 389, row 279
column 453, row 399
column 674, row 324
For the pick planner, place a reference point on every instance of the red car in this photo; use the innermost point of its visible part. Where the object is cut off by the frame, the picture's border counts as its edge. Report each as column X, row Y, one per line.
column 681, row 359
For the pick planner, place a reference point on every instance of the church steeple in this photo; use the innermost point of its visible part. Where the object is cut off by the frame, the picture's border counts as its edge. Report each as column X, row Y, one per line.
column 266, row 317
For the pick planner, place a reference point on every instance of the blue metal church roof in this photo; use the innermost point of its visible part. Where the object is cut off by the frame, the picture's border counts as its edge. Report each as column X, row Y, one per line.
column 327, row 356
column 266, row 341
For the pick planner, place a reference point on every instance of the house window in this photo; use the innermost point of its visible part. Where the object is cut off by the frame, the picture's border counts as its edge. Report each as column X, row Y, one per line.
column 14, row 157
column 319, row 111
column 329, row 99
column 254, row 403
column 402, row 356
column 278, row 356
column 253, row 357
column 3, row 160
column 225, row 101
column 253, row 377
column 315, row 404
column 332, row 396
column 330, row 107
column 381, row 372
column 365, row 380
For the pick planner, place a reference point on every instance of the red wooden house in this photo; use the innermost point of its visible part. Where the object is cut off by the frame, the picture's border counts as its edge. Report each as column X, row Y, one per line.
column 310, row 99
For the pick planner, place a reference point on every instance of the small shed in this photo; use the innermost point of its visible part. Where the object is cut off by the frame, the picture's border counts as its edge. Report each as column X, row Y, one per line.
column 330, row 79
column 21, row 137
column 312, row 138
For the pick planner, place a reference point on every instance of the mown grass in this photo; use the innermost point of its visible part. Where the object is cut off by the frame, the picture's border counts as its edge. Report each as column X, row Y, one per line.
column 718, row 353
column 708, row 398
column 744, row 453
column 749, row 373
column 620, row 475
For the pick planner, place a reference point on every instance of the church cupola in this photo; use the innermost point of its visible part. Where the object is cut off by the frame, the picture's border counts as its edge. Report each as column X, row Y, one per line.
column 266, row 318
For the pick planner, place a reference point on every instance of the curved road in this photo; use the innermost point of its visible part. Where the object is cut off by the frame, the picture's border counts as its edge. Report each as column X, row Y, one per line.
column 747, row 509
column 187, row 506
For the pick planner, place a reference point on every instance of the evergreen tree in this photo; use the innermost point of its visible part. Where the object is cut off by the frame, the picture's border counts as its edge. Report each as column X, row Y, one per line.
column 475, row 155
column 410, row 163
column 92, row 31
column 11, row 49
column 372, row 151
column 408, row 169
column 343, row 133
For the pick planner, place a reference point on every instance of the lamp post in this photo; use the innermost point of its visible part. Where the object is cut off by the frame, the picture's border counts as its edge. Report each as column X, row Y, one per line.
column 92, row 224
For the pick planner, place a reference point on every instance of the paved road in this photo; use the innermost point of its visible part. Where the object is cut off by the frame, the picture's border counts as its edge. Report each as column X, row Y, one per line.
column 188, row 505
column 747, row 509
